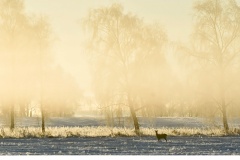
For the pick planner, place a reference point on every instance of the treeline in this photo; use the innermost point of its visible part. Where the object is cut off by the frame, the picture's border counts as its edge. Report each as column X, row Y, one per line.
column 138, row 71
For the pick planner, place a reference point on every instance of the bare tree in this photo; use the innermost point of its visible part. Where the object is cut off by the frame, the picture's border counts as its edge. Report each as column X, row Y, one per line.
column 12, row 24
column 216, row 37
column 120, row 43
column 42, row 31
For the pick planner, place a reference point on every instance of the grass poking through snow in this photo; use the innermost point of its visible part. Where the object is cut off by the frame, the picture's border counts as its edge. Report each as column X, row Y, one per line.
column 64, row 132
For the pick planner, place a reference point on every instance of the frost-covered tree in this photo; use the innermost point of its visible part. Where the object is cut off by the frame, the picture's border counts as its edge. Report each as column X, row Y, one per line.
column 216, row 43
column 23, row 50
column 120, row 44
column 13, row 24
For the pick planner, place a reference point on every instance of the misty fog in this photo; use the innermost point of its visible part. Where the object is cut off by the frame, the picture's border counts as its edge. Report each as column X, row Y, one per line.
column 117, row 62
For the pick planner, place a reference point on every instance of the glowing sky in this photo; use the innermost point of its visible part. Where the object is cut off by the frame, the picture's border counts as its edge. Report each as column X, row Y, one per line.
column 64, row 17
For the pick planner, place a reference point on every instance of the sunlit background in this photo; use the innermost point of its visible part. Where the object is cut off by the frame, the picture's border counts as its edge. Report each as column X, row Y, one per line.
column 116, row 58
column 174, row 16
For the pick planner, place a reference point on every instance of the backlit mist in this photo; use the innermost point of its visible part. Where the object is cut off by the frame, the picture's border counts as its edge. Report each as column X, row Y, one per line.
column 119, row 58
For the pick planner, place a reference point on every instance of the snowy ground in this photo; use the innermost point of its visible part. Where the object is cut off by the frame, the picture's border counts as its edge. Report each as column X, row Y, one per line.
column 169, row 122
column 122, row 146
column 148, row 145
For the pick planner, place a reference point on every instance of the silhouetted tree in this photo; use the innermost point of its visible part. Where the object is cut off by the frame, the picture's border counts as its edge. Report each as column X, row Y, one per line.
column 120, row 43
column 42, row 32
column 217, row 35
column 23, row 51
column 13, row 22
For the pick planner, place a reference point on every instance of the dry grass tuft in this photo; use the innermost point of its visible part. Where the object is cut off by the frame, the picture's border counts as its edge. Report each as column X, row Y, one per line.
column 64, row 132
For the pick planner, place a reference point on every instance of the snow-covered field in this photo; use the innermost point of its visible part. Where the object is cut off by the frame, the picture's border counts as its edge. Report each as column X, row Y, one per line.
column 122, row 146
column 177, row 144
column 169, row 122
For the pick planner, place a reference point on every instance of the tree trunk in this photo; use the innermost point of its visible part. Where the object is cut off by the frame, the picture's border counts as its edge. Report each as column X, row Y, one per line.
column 135, row 120
column 133, row 114
column 43, row 120
column 223, row 103
column 224, row 114
column 12, row 118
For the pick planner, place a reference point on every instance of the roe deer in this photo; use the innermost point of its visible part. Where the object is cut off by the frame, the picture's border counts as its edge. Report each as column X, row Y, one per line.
column 161, row 136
